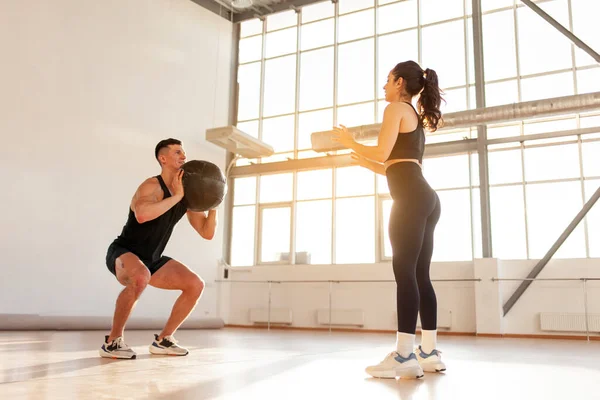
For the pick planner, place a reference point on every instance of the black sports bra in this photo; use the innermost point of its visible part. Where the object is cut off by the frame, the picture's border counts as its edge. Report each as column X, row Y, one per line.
column 409, row 145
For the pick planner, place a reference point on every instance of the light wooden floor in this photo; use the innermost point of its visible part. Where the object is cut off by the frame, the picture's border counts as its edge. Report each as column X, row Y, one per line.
column 257, row 364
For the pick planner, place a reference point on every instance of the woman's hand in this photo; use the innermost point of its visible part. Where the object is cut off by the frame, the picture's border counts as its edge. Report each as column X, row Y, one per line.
column 342, row 136
column 357, row 159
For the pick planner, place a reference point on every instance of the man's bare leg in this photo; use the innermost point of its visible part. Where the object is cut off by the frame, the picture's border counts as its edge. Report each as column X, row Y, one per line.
column 176, row 276
column 134, row 275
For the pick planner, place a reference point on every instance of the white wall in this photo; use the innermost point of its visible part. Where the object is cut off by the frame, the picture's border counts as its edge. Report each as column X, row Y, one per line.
column 88, row 89
column 377, row 300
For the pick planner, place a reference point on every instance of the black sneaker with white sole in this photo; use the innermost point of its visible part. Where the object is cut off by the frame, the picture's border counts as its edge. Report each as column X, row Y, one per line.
column 116, row 349
column 167, row 346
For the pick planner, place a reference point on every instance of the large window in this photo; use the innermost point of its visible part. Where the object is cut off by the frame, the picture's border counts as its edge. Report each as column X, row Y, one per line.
column 526, row 58
column 301, row 72
column 327, row 64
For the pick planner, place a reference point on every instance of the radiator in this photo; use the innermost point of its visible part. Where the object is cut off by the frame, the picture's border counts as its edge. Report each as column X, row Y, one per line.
column 569, row 322
column 341, row 317
column 278, row 315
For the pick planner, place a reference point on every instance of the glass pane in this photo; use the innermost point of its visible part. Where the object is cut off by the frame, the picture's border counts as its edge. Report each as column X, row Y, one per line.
column 397, row 16
column 474, row 169
column 242, row 236
column 282, row 20
column 440, row 10
column 455, row 223
column 456, row 100
column 472, row 99
column 381, row 105
column 588, row 81
column 356, row 26
column 387, row 245
column 508, row 222
column 280, row 86
column 275, row 188
column 593, row 218
column 585, row 27
column 313, row 232
column 317, row 34
column 354, row 181
column 279, row 133
column 382, row 184
column 501, row 62
column 505, row 166
column 355, row 230
column 476, row 223
column 275, row 234
column 317, row 11
column 277, row 158
column 447, row 172
column 315, row 184
column 550, row 209
column 249, row 127
column 470, row 52
column 316, row 79
column 406, row 47
column 249, row 91
column 250, row 49
column 355, row 72
column 360, row 114
column 544, row 87
column 550, row 126
column 497, row 94
column 488, row 5
column 347, row 6
column 310, row 154
column 444, row 51
column 541, row 162
column 591, row 159
column 244, row 190
column 281, row 42
column 251, row 27
column 590, row 121
column 503, row 131
column 309, row 122
column 542, row 47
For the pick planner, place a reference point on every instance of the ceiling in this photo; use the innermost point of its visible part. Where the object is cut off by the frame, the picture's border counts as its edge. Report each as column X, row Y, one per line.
column 259, row 8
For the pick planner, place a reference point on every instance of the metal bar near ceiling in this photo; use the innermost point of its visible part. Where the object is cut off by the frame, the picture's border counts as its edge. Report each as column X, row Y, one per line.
column 578, row 42
column 542, row 263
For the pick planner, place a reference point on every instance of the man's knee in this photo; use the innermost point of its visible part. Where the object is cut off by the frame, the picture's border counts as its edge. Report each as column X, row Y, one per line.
column 195, row 287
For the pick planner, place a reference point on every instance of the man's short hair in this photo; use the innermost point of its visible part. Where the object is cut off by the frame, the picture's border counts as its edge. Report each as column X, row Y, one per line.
column 164, row 144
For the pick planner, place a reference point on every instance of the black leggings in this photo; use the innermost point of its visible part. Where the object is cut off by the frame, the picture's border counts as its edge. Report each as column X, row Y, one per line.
column 414, row 215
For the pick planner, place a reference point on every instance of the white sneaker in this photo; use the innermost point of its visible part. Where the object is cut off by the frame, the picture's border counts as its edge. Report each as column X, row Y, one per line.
column 431, row 362
column 394, row 365
column 168, row 345
column 116, row 349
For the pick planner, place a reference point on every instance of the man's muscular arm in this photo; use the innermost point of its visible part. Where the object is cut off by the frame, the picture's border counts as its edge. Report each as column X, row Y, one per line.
column 146, row 204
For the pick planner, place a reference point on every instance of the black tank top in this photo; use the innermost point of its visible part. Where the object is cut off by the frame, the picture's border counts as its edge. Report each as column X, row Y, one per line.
column 410, row 145
column 148, row 240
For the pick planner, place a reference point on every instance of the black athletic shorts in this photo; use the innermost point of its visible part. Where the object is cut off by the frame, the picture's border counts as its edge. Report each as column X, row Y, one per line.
column 115, row 251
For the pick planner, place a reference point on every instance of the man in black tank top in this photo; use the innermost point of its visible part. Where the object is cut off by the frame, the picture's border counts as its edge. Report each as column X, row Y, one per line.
column 136, row 257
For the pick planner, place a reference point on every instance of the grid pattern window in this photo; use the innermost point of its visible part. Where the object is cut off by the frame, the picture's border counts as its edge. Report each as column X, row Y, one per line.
column 301, row 72
column 537, row 187
column 327, row 64
column 530, row 59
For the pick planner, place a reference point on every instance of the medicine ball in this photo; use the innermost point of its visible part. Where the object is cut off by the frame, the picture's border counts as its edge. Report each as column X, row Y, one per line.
column 204, row 185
